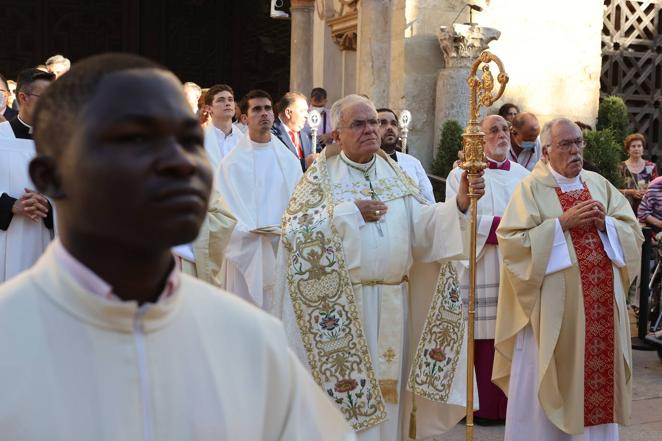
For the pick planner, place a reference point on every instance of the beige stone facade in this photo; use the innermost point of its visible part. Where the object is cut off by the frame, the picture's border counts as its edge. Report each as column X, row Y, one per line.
column 390, row 50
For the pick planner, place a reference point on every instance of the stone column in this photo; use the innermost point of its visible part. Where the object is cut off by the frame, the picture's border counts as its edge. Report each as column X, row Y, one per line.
column 301, row 46
column 373, row 51
column 460, row 45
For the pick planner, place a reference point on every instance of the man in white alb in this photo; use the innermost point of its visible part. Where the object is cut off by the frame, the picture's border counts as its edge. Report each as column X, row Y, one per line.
column 255, row 181
column 501, row 178
column 221, row 135
column 389, row 132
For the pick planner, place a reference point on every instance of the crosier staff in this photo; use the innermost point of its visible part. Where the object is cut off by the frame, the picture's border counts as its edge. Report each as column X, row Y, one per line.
column 474, row 163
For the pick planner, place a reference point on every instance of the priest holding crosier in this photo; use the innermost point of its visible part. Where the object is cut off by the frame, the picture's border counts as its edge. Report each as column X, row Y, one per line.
column 358, row 266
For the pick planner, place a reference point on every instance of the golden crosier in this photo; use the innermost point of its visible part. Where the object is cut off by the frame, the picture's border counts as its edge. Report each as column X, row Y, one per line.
column 474, row 162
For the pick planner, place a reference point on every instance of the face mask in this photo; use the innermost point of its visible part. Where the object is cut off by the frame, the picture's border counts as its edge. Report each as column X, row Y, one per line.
column 528, row 145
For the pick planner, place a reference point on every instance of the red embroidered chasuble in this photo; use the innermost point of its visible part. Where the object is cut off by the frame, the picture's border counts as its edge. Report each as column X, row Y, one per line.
column 598, row 289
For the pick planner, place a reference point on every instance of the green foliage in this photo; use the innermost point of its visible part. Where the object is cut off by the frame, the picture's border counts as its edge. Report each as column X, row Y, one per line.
column 604, row 151
column 613, row 114
column 449, row 144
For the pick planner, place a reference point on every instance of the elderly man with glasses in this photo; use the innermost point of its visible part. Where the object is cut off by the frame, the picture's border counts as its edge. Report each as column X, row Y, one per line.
column 570, row 247
column 356, row 233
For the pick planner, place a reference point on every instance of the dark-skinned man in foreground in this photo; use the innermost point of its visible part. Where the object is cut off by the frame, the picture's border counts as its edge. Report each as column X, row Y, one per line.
column 104, row 338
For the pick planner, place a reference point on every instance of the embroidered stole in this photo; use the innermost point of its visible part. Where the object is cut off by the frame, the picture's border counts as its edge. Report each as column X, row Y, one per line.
column 597, row 280
column 325, row 307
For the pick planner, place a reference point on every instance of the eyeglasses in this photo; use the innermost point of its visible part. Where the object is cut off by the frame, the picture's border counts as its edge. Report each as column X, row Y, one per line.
column 565, row 145
column 361, row 124
column 33, row 94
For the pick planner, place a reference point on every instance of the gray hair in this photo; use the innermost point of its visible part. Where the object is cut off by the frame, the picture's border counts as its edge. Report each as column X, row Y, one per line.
column 343, row 103
column 546, row 132
column 59, row 59
column 193, row 86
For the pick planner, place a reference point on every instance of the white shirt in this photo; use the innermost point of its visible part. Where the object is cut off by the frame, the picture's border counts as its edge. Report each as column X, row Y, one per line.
column 218, row 145
column 416, row 172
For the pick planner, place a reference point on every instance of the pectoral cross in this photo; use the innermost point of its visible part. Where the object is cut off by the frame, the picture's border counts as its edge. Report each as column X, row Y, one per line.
column 374, row 197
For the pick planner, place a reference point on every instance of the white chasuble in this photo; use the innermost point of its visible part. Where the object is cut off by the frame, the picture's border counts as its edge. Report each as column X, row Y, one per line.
column 255, row 181
column 377, row 259
column 25, row 240
column 499, row 186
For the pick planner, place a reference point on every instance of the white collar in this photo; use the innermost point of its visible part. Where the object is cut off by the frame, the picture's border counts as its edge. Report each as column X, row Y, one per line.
column 566, row 184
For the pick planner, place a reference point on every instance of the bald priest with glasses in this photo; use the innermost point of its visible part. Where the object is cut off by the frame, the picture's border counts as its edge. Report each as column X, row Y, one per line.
column 571, row 246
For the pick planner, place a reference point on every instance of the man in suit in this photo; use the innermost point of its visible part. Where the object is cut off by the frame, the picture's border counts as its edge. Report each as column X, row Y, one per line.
column 290, row 127
column 31, row 83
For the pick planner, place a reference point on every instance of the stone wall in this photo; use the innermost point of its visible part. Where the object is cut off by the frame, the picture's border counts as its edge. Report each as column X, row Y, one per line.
column 551, row 51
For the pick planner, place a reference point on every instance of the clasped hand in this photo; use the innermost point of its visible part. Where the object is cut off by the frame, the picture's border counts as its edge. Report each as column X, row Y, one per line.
column 584, row 213
column 31, row 205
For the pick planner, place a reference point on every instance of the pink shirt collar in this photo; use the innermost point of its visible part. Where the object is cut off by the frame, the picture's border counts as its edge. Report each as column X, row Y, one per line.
column 88, row 280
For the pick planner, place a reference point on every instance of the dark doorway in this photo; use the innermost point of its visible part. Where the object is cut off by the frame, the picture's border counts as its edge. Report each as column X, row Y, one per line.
column 205, row 41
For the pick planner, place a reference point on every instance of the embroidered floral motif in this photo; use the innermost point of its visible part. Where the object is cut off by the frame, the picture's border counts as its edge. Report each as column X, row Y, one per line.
column 438, row 352
column 323, row 298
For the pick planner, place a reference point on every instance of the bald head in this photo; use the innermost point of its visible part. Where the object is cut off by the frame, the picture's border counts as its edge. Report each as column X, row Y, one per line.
column 525, row 131
column 497, row 137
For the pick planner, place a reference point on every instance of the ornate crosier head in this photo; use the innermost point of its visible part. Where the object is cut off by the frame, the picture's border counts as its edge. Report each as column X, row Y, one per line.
column 480, row 96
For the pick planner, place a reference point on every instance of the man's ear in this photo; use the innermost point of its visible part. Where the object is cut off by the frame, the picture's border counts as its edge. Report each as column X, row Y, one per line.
column 335, row 135
column 45, row 177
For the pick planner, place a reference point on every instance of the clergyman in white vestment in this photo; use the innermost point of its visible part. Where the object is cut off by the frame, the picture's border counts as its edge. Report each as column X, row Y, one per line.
column 389, row 132
column 501, row 178
column 104, row 338
column 255, row 181
column 354, row 227
column 22, row 238
column 570, row 247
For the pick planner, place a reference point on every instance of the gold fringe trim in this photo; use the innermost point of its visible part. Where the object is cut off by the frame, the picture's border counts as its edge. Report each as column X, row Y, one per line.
column 412, row 422
column 389, row 390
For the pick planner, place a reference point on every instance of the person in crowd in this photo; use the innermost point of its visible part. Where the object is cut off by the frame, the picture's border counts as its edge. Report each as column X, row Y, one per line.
column 508, row 111
column 192, row 92
column 58, row 65
column 319, row 101
column 134, row 348
column 26, row 216
column 501, row 177
column 389, row 132
column 31, row 84
column 290, row 127
column 525, row 146
column 221, row 135
column 6, row 112
column 636, row 171
column 355, row 227
column 570, row 247
column 649, row 211
column 256, row 181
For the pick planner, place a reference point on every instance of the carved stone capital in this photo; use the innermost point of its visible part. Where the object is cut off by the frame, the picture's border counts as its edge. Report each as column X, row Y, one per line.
column 461, row 43
column 344, row 30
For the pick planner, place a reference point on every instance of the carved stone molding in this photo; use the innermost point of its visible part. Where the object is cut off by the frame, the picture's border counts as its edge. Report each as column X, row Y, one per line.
column 344, row 30
column 302, row 4
column 461, row 43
